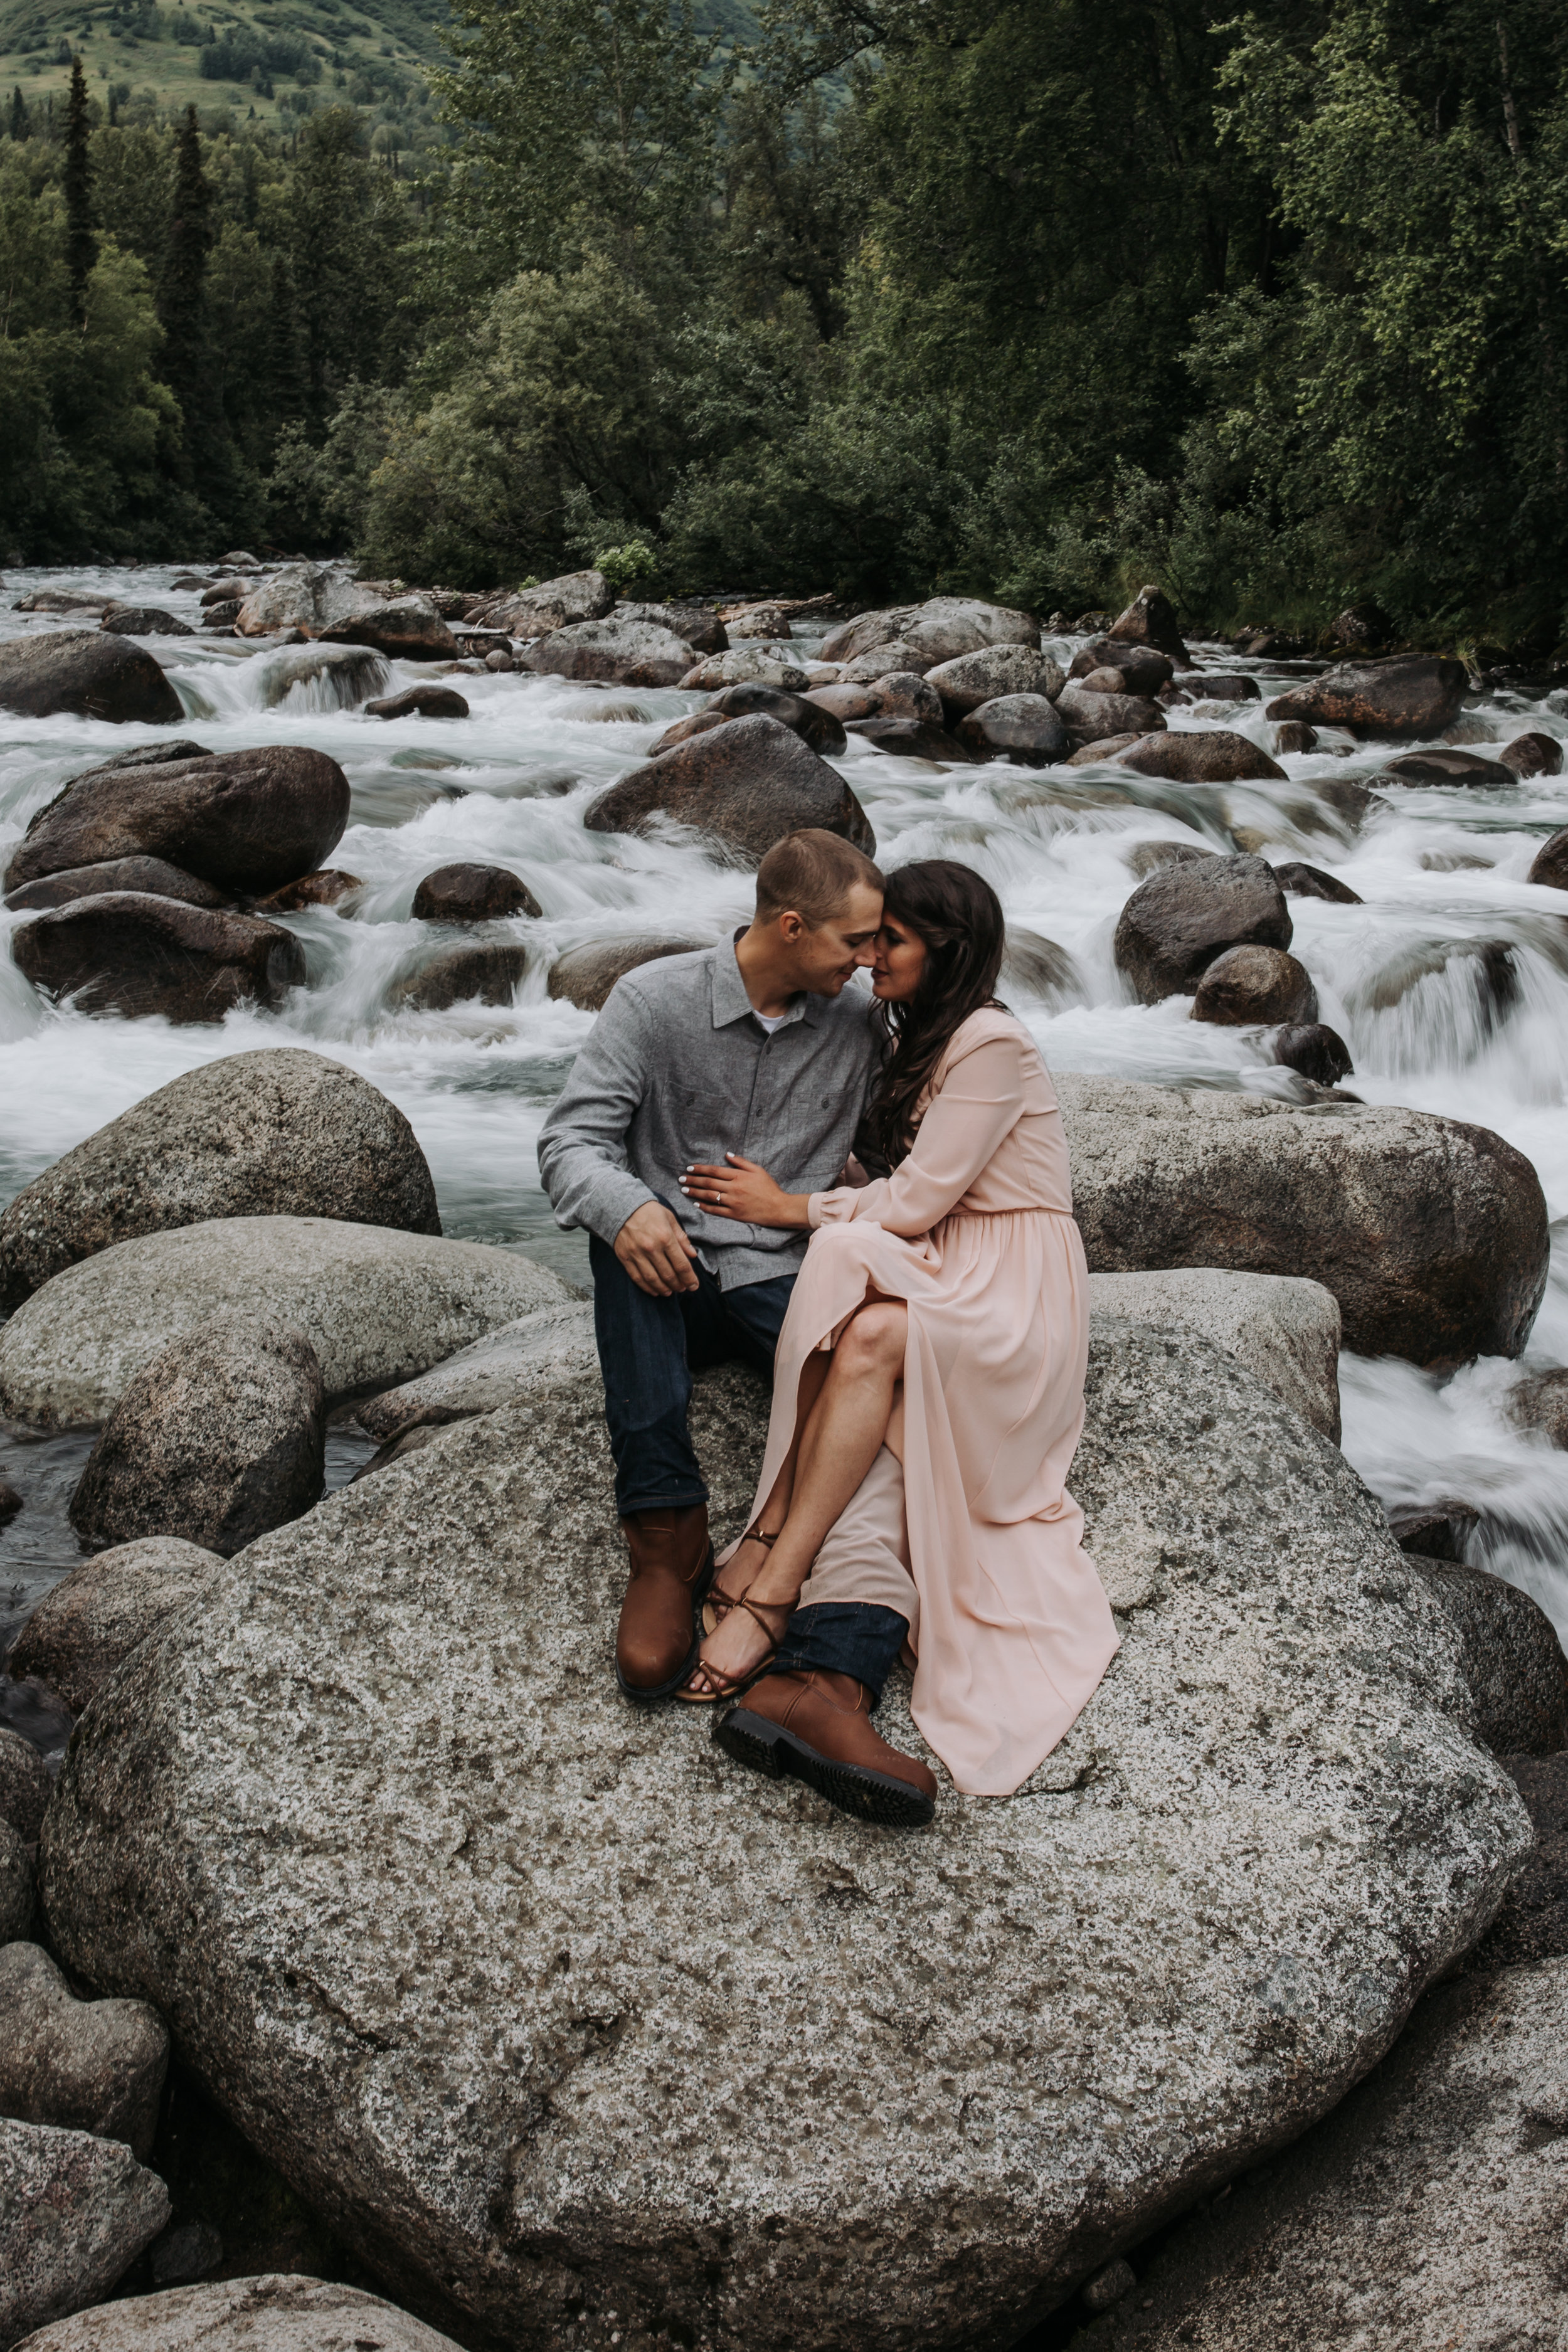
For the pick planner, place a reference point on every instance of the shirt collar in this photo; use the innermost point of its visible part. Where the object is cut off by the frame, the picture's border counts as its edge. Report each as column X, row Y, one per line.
column 730, row 1001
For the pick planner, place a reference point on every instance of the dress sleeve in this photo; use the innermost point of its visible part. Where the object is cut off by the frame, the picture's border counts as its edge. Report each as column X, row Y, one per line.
column 979, row 1101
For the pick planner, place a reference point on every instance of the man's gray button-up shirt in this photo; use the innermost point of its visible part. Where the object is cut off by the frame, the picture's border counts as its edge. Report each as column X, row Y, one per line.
column 678, row 1068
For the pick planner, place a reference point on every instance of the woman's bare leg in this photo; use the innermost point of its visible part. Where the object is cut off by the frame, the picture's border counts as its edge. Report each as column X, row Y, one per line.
column 747, row 1558
column 839, row 1442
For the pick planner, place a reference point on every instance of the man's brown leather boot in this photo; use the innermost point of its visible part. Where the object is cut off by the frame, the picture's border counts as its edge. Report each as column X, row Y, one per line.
column 660, row 1631
column 818, row 1726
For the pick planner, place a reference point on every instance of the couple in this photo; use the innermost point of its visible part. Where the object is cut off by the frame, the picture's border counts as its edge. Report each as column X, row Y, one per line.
column 871, row 1203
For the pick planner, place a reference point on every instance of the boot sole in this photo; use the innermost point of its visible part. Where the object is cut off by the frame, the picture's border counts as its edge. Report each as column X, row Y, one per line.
column 775, row 1751
column 643, row 1695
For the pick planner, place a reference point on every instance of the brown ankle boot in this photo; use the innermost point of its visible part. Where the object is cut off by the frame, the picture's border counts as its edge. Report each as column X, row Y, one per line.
column 818, row 1726
column 660, row 1635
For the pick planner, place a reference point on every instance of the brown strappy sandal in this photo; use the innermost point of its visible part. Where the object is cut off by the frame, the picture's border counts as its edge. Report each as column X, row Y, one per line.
column 719, row 1603
column 724, row 1686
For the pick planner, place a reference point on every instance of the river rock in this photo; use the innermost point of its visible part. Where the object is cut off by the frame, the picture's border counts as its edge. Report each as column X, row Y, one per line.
column 130, row 953
column 1150, row 620
column 244, row 821
column 863, row 632
column 1298, row 881
column 696, row 625
column 1092, row 718
column 85, row 1625
column 86, row 674
column 1149, row 856
column 1035, row 966
column 1510, row 1656
column 750, row 781
column 1431, row 1233
column 945, row 628
column 1442, row 766
column 1286, row 1331
column 1183, row 916
column 1140, row 668
column 1107, row 680
column 1532, row 1924
column 403, row 628
column 490, row 974
column 282, row 1132
column 626, row 653
column 1315, row 1051
column 403, row 1959
column 92, row 2066
column 1533, row 754
column 1549, row 865
column 144, row 621
column 896, row 658
column 1439, row 1531
column 1539, row 1402
column 150, row 876
column 991, row 672
column 507, row 1366
column 75, row 2212
column 326, row 887
column 26, row 1787
column 740, row 666
column 376, row 1306
column 760, row 621
column 1407, row 694
column 419, row 702
column 554, row 604
column 1255, row 984
column 1025, row 727
column 221, row 618
column 1294, row 735
column 218, row 1439
column 1217, row 686
column 912, row 739
column 585, row 976
column 803, row 718
column 306, row 597
column 1200, row 755
column 1092, row 754
column 1427, row 2211
column 276, row 2311
column 17, row 1901
column 60, row 600
column 472, row 894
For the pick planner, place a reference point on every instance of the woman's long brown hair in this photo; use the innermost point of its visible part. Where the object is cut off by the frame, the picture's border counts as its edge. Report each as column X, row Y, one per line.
column 958, row 916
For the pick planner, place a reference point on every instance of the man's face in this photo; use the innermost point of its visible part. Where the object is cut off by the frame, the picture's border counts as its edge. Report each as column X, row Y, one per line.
column 823, row 958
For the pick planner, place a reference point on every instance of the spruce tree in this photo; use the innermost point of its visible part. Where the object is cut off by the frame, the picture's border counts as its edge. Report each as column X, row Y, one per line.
column 182, row 299
column 19, row 114
column 82, row 244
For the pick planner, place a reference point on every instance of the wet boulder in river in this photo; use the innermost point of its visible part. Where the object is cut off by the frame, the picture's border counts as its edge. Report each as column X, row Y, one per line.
column 624, row 653
column 1143, row 668
column 325, row 888
column 585, row 976
column 554, row 605
column 1430, row 1232
column 218, row 1439
column 895, row 656
column 472, row 894
column 403, row 1958
column 87, row 675
column 1294, row 735
column 19, row 1902
column 750, row 781
column 1027, row 728
column 696, row 625
column 1298, row 881
column 419, row 702
column 85, row 1625
column 1409, row 693
column 490, row 973
column 1549, row 865
column 282, row 1132
column 144, row 621
column 92, row 2066
column 865, row 631
column 1443, row 765
column 1149, row 856
column 1150, row 620
column 276, row 2311
column 26, row 1787
column 1533, row 754
column 1216, row 685
column 153, row 876
column 403, row 628
column 376, row 1306
column 1315, row 1052
column 945, row 628
column 1183, row 916
column 912, row 739
column 1091, row 753
column 1510, row 1657
column 1093, row 717
column 1200, row 755
column 1255, row 984
column 306, row 597
column 244, row 821
column 130, row 953
column 740, row 666
column 992, row 672
column 805, row 717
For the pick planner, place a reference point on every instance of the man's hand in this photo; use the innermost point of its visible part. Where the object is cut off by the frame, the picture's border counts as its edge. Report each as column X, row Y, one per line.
column 653, row 1247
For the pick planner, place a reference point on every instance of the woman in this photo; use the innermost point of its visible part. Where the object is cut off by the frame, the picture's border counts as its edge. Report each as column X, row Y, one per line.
column 939, row 1323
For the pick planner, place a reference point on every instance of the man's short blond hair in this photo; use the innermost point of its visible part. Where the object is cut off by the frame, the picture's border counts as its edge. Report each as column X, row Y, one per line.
column 811, row 874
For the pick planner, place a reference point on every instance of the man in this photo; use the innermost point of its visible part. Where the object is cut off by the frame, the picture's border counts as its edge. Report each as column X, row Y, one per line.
column 752, row 1046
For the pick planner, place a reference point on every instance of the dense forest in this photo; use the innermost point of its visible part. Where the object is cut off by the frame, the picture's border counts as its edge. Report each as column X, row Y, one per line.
column 1018, row 297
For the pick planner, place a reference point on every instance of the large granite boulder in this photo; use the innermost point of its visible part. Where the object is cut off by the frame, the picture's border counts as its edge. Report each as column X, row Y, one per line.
column 994, row 671
column 26, row 1787
column 743, row 665
column 244, row 821
column 1284, row 1330
column 218, row 1439
column 1024, row 728
column 1406, row 694
column 83, row 1627
column 1510, row 1656
column 277, row 2312
column 1431, row 1233
column 1200, row 755
column 472, row 894
column 87, row 675
column 402, row 628
column 945, row 628
column 308, row 597
column 504, row 1367
column 376, row 1306
column 153, row 876
column 1092, row 717
column 17, row 1891
column 1150, row 620
column 282, row 1132
column 554, row 604
column 750, row 781
column 485, row 973
column 75, row 2212
column 549, row 2010
column 1426, row 2212
column 144, row 621
column 1183, row 914
column 84, row 2066
column 130, row 953
column 1142, row 668
column 584, row 976
column 1250, row 984
column 626, row 653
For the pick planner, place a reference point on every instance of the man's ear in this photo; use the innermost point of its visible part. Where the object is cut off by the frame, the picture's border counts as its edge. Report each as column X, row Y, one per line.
column 792, row 929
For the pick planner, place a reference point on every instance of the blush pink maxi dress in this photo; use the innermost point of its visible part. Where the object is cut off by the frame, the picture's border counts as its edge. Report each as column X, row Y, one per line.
column 1010, row 1627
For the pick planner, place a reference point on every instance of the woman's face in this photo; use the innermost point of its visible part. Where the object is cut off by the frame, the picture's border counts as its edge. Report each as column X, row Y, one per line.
column 901, row 958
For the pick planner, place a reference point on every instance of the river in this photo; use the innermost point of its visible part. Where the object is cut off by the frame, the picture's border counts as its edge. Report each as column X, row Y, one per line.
column 1441, row 873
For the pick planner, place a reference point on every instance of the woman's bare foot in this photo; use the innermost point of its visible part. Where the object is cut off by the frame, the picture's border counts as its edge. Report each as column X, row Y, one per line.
column 737, row 1576
column 741, row 1645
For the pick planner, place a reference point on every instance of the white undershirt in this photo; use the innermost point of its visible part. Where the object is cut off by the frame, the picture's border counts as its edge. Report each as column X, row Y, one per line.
column 771, row 1021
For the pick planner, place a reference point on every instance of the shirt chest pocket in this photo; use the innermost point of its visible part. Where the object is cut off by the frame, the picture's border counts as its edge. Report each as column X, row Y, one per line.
column 703, row 1122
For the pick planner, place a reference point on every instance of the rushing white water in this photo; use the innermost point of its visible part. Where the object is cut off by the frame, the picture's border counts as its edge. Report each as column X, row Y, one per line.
column 1401, row 976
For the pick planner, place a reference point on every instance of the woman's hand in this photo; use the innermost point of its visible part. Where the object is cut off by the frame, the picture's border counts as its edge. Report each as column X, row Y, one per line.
column 742, row 1192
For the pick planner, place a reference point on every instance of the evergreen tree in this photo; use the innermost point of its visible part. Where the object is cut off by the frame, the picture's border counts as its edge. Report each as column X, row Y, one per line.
column 82, row 244
column 183, row 299
column 286, row 377
column 19, row 115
